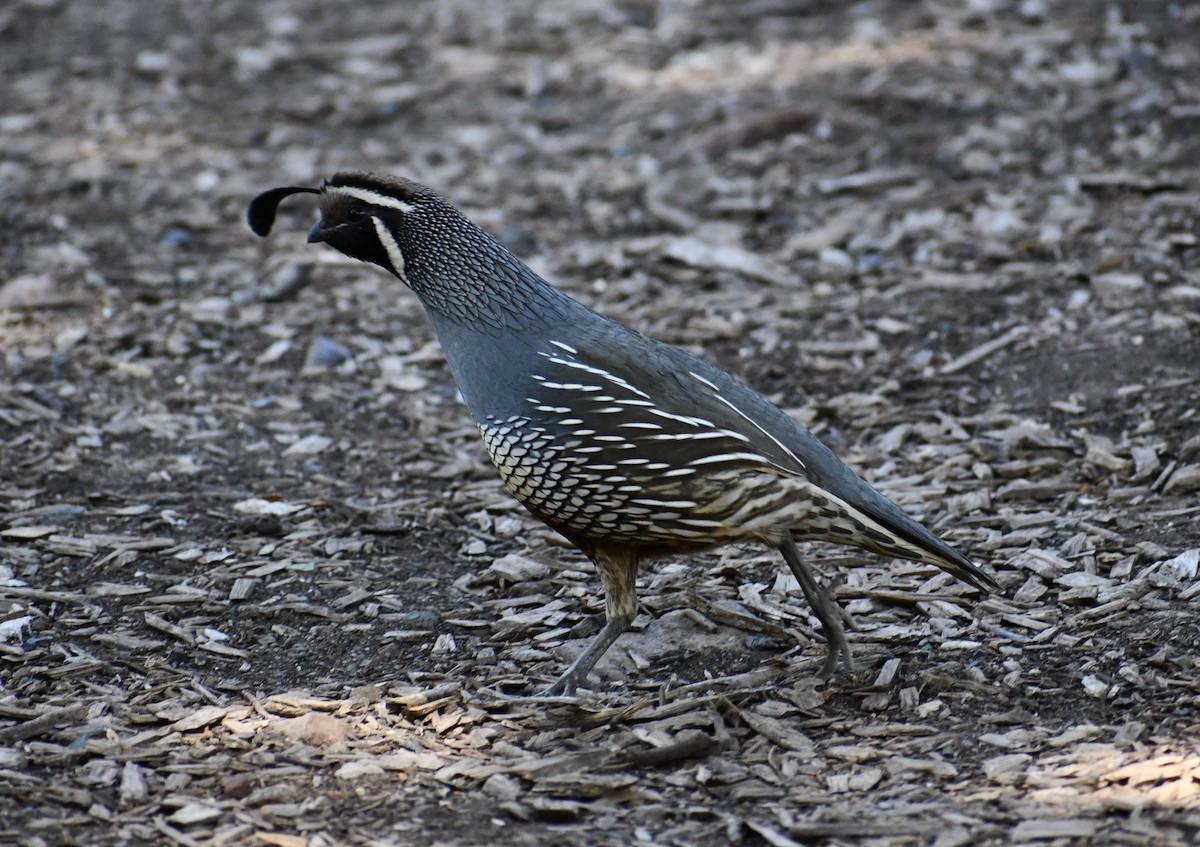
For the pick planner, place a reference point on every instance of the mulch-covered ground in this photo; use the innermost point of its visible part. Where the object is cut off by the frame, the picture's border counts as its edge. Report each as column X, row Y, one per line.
column 259, row 584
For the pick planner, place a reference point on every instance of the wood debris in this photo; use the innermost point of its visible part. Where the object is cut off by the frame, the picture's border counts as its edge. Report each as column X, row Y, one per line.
column 259, row 584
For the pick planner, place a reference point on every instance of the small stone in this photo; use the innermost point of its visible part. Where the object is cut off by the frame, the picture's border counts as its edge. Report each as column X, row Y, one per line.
column 763, row 643
column 1183, row 293
column 133, row 785
column 501, row 786
column 1061, row 830
column 1002, row 768
column 979, row 162
column 517, row 568
column 840, row 260
column 395, row 372
column 358, row 769
column 11, row 758
column 1185, row 565
column 11, row 629
column 325, row 353
column 309, row 445
column 274, row 352
column 316, row 729
column 193, row 813
column 1032, row 10
column 176, row 237
column 238, row 785
column 507, row 527
column 287, row 282
column 259, row 506
column 62, row 513
column 150, row 61
column 1145, row 461
column 421, row 619
column 1185, row 479
column 997, row 222
column 1117, row 288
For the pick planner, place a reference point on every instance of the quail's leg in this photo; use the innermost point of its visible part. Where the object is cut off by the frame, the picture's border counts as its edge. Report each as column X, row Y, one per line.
column 618, row 570
column 585, row 661
column 829, row 613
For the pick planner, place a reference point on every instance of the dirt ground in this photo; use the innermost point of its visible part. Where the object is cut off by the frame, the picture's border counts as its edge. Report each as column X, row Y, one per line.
column 259, row 585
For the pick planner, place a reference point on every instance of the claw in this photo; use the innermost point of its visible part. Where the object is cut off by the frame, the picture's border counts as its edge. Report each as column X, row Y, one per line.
column 576, row 674
column 828, row 612
column 564, row 686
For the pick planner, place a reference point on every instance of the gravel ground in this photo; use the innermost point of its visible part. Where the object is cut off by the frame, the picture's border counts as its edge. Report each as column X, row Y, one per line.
column 259, row 584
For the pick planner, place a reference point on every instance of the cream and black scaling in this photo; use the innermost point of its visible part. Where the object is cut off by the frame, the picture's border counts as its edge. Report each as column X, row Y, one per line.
column 627, row 446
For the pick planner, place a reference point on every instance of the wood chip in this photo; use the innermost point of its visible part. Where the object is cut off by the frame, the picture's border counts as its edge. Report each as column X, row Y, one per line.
column 1047, row 829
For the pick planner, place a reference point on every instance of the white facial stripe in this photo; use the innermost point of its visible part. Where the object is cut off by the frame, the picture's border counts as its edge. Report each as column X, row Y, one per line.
column 373, row 197
column 395, row 255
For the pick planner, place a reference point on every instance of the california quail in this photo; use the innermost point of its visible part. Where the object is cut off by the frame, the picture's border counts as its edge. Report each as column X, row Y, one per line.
column 626, row 446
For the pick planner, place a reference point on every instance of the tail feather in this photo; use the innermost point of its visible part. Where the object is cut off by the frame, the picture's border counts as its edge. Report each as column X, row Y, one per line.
column 932, row 549
column 875, row 523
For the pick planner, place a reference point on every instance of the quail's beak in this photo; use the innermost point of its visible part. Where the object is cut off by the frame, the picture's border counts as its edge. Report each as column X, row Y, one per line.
column 317, row 233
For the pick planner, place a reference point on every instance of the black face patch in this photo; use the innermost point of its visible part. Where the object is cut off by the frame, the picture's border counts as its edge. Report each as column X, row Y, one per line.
column 336, row 207
column 347, row 224
column 357, row 239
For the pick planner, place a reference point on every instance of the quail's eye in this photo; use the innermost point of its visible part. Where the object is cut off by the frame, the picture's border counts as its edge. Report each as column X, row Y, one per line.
column 355, row 214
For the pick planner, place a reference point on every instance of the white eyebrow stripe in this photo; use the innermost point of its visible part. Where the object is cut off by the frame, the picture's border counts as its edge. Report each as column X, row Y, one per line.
column 375, row 198
column 394, row 253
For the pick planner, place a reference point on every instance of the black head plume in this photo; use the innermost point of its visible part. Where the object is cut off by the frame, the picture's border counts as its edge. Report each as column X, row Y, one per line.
column 261, row 213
